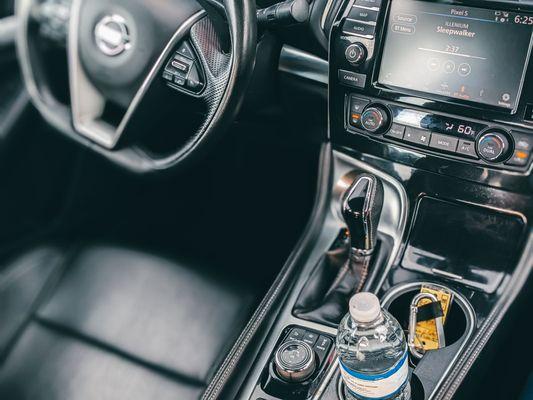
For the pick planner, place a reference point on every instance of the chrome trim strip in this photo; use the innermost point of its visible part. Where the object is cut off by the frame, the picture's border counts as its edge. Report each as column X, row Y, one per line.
column 88, row 103
column 8, row 30
column 304, row 65
column 325, row 14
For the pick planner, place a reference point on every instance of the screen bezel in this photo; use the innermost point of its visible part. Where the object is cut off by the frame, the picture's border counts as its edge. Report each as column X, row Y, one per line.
column 394, row 90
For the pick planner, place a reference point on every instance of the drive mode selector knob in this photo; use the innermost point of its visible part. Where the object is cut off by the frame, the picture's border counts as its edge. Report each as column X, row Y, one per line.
column 375, row 119
column 295, row 361
column 355, row 53
column 493, row 145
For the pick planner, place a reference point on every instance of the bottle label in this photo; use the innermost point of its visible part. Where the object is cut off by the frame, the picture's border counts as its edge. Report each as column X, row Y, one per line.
column 382, row 386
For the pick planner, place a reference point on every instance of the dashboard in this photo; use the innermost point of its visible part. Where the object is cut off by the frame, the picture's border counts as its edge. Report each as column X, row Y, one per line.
column 451, row 80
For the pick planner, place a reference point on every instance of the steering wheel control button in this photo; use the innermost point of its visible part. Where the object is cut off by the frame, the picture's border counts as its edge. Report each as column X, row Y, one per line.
column 183, row 71
column 396, row 131
column 493, row 146
column 417, row 136
column 355, row 53
column 467, row 148
column 375, row 119
column 180, row 66
column 295, row 361
column 443, row 142
column 186, row 51
column 352, row 79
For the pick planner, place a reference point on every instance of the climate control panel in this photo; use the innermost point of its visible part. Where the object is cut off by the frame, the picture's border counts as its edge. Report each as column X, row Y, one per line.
column 446, row 136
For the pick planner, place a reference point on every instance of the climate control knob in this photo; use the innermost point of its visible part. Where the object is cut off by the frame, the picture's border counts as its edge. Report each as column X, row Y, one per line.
column 355, row 53
column 375, row 119
column 493, row 146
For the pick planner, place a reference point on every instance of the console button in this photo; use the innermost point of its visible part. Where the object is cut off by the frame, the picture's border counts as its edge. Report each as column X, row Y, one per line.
column 523, row 142
column 396, row 131
column 519, row 158
column 357, row 104
column 355, row 53
column 322, row 347
column 368, row 3
column 296, row 334
column 352, row 27
column 417, row 136
column 443, row 142
column 493, row 146
column 310, row 338
column 467, row 148
column 352, row 78
column 363, row 14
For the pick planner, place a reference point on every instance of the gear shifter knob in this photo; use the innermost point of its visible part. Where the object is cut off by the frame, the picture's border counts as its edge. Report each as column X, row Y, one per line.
column 361, row 209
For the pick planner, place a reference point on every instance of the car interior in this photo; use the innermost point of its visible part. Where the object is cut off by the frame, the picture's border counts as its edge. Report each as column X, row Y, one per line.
column 193, row 190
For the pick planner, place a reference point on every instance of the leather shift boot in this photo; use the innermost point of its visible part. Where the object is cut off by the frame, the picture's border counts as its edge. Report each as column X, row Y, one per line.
column 324, row 298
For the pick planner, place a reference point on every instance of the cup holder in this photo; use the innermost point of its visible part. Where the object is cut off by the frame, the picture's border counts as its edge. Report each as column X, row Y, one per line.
column 459, row 321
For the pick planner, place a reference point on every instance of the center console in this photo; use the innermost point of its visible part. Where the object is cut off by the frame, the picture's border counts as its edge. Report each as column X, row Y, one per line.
column 430, row 103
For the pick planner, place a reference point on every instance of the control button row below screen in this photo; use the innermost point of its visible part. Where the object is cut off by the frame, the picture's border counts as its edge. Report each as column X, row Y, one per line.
column 436, row 141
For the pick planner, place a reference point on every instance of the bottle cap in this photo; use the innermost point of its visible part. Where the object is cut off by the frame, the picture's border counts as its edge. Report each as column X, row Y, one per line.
column 364, row 307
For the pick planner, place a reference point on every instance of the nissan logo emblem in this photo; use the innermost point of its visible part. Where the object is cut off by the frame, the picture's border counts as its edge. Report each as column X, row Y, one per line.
column 112, row 35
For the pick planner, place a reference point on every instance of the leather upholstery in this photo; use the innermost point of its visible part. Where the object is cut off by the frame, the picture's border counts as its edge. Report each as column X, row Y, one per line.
column 123, row 324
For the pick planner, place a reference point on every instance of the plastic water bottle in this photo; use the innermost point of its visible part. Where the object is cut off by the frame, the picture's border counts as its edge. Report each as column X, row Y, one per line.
column 372, row 352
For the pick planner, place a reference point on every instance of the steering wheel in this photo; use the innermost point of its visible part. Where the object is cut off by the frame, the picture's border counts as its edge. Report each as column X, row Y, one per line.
column 128, row 58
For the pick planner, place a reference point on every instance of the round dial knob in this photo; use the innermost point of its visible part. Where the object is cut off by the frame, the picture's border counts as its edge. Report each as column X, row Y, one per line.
column 375, row 119
column 295, row 361
column 355, row 53
column 493, row 146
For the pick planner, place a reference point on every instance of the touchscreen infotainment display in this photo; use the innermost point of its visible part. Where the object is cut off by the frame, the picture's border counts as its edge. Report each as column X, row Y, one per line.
column 466, row 53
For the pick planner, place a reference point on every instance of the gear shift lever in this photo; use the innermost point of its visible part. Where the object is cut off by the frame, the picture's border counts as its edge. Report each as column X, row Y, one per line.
column 344, row 269
column 361, row 210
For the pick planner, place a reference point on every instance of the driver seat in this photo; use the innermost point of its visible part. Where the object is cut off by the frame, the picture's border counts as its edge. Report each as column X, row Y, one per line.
column 108, row 322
